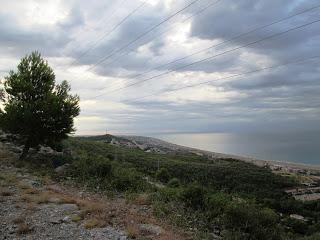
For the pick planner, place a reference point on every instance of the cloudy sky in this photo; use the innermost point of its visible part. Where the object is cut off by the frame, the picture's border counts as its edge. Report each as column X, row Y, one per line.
column 126, row 86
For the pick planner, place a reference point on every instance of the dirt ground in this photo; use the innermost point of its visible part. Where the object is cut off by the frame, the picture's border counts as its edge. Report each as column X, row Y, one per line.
column 34, row 207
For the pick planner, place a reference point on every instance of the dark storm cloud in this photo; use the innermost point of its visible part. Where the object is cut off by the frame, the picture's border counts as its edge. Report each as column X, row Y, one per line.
column 222, row 22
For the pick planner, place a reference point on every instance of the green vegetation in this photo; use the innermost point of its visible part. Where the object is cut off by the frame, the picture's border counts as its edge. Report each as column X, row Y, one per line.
column 231, row 198
column 163, row 175
column 37, row 109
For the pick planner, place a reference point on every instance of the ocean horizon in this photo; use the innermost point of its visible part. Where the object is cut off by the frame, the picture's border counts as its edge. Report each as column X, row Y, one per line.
column 289, row 147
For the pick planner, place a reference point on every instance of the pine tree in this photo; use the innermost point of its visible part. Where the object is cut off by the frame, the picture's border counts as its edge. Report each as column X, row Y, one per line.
column 35, row 107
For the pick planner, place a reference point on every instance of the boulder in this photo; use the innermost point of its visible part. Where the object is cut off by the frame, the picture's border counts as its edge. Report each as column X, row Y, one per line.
column 62, row 170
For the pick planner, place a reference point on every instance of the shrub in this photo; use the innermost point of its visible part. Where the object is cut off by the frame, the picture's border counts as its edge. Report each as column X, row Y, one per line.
column 216, row 203
column 193, row 196
column 167, row 194
column 93, row 167
column 312, row 237
column 57, row 161
column 102, row 168
column 174, row 182
column 127, row 179
column 297, row 226
column 253, row 221
column 163, row 175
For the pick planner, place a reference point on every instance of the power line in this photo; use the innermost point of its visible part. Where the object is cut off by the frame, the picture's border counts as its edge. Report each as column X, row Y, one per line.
column 228, row 77
column 217, row 55
column 141, row 35
column 172, row 27
column 223, row 42
column 111, row 31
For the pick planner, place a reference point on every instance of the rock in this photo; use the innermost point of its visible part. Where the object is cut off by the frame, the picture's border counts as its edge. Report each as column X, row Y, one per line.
column 46, row 150
column 150, row 229
column 68, row 207
column 55, row 188
column 107, row 233
column 66, row 219
column 56, row 221
column 297, row 217
column 32, row 183
column 62, row 170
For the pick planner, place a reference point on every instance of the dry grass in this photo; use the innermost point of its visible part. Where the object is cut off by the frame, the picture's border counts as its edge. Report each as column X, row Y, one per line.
column 5, row 192
column 64, row 199
column 26, row 198
column 46, row 180
column 10, row 178
column 133, row 231
column 31, row 207
column 143, row 199
column 42, row 198
column 17, row 206
column 19, row 220
column 23, row 228
column 92, row 223
column 23, row 186
column 31, row 191
column 6, row 156
column 91, row 207
column 76, row 218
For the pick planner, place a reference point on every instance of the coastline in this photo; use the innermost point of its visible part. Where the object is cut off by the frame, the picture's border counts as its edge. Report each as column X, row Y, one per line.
column 274, row 164
column 258, row 162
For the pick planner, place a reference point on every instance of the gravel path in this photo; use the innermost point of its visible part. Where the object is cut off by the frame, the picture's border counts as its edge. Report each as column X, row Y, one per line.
column 27, row 213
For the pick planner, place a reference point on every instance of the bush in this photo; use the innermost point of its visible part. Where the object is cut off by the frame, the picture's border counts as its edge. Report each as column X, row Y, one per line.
column 193, row 196
column 312, row 237
column 167, row 194
column 216, row 203
column 297, row 226
column 93, row 168
column 253, row 221
column 57, row 161
column 174, row 182
column 125, row 179
column 163, row 175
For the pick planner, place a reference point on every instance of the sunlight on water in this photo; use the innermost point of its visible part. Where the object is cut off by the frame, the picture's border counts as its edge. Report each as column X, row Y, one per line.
column 297, row 148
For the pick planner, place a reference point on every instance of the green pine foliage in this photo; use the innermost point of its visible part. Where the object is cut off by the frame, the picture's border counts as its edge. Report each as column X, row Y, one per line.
column 35, row 107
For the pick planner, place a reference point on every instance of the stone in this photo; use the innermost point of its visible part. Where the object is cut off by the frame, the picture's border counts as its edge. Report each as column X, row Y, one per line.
column 56, row 221
column 150, row 229
column 32, row 183
column 61, row 170
column 68, row 207
column 66, row 219
column 46, row 150
column 297, row 217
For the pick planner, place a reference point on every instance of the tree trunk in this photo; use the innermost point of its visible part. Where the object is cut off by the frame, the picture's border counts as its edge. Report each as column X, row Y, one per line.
column 25, row 151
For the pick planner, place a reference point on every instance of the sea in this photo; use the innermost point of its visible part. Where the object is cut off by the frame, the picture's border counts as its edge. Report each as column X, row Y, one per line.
column 301, row 148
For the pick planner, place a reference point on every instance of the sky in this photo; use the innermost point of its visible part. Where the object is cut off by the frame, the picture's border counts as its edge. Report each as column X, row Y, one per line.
column 92, row 45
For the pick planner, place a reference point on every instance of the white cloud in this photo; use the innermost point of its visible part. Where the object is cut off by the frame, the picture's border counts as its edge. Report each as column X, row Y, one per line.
column 63, row 30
